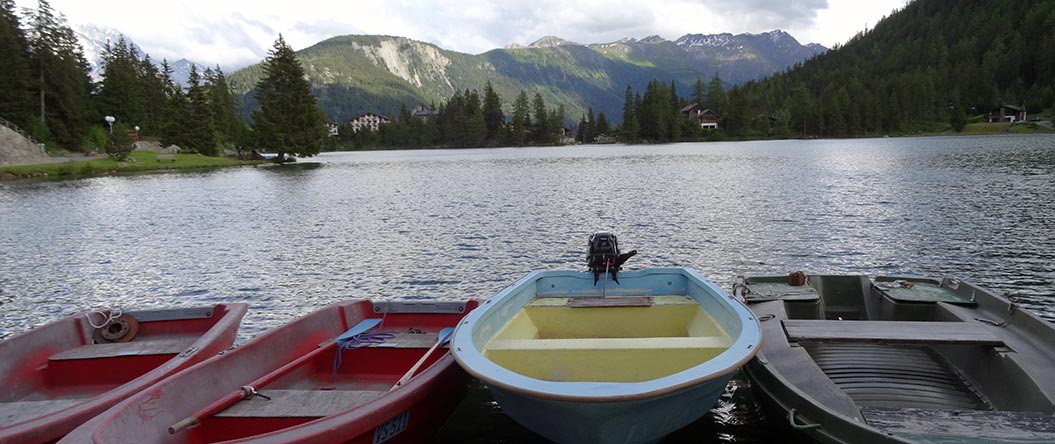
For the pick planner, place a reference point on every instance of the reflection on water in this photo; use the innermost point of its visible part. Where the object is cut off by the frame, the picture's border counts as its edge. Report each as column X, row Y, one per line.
column 453, row 224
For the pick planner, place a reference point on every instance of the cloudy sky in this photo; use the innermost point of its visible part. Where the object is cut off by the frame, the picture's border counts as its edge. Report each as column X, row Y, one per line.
column 234, row 33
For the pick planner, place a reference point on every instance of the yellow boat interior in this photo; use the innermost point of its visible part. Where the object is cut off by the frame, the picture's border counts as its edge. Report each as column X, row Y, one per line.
column 613, row 339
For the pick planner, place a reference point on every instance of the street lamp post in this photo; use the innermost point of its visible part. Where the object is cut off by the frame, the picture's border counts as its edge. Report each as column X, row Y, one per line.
column 110, row 121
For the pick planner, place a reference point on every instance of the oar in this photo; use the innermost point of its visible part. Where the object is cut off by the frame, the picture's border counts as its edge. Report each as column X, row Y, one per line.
column 444, row 336
column 248, row 391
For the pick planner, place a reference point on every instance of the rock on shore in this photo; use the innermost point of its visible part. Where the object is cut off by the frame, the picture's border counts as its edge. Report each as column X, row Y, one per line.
column 15, row 149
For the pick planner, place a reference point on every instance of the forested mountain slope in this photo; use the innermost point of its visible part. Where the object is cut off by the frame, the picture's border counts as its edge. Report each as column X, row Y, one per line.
column 917, row 69
column 358, row 74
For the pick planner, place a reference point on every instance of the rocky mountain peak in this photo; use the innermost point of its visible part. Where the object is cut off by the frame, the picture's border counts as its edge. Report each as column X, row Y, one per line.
column 550, row 41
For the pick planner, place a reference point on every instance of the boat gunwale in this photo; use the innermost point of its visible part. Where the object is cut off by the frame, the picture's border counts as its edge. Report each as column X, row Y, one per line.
column 496, row 375
column 838, row 426
column 73, row 416
column 331, row 428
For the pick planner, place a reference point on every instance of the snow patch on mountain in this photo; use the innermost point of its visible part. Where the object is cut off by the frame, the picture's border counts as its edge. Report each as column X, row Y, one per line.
column 93, row 40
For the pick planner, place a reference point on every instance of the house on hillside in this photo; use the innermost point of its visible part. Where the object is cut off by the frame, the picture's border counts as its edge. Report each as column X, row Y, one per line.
column 707, row 118
column 1008, row 113
column 368, row 122
column 425, row 113
column 332, row 129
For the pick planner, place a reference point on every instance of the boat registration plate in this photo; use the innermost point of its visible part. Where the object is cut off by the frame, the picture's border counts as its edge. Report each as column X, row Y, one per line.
column 392, row 427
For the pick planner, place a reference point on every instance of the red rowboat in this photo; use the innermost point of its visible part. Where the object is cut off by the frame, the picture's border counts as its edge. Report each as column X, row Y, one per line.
column 308, row 382
column 55, row 377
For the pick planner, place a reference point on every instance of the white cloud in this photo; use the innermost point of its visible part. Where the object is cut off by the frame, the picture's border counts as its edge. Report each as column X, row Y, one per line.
column 234, row 33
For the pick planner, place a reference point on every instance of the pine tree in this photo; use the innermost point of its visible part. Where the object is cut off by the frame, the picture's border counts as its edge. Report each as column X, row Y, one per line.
column 61, row 82
column 716, row 94
column 958, row 119
column 223, row 108
column 588, row 131
column 601, row 126
column 540, row 131
column 176, row 111
column 475, row 121
column 556, row 125
column 521, row 119
column 289, row 120
column 673, row 115
column 699, row 92
column 492, row 113
column 200, row 132
column 154, row 97
column 630, row 127
column 15, row 77
column 121, row 92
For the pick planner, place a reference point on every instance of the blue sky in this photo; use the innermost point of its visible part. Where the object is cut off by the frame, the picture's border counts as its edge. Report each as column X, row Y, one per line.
column 234, row 33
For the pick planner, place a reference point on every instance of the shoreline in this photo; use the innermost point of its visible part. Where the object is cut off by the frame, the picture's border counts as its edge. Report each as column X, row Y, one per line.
column 147, row 161
column 138, row 162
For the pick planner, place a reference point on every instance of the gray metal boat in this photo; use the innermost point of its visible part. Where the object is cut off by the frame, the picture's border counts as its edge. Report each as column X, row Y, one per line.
column 847, row 359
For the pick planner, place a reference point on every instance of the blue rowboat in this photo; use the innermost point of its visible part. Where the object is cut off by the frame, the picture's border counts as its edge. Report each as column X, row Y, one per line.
column 630, row 362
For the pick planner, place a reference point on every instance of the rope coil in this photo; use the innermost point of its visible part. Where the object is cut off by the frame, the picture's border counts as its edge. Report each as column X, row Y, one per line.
column 107, row 318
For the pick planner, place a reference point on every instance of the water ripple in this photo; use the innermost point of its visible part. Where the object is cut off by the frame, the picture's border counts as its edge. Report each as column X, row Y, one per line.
column 453, row 224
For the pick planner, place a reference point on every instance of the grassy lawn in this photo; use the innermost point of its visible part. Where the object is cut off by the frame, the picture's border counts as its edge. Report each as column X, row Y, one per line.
column 137, row 162
column 1004, row 128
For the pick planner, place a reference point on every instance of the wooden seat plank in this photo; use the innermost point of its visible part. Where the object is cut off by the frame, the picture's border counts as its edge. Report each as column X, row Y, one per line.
column 299, row 403
column 16, row 412
column 135, row 348
column 808, row 330
column 404, row 339
column 610, row 343
column 621, row 301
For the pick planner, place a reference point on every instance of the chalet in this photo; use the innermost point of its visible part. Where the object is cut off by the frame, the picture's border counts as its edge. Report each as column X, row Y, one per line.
column 567, row 137
column 332, row 129
column 1008, row 113
column 708, row 119
column 425, row 113
column 368, row 121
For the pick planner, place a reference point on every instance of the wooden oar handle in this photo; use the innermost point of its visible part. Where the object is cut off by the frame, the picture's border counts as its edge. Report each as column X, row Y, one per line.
column 179, row 426
column 248, row 391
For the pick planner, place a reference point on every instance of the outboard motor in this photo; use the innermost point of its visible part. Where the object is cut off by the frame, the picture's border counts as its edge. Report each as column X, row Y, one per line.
column 604, row 256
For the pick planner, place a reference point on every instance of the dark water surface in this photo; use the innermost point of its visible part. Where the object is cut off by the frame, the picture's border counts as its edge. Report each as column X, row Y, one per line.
column 452, row 224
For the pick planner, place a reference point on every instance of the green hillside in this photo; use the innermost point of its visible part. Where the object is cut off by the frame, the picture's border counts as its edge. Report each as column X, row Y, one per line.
column 930, row 64
column 352, row 75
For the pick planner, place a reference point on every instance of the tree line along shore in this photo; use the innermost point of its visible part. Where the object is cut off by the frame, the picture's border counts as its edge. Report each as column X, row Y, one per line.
column 871, row 86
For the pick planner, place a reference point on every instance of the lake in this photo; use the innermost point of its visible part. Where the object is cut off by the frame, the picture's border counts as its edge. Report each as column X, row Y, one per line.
column 453, row 224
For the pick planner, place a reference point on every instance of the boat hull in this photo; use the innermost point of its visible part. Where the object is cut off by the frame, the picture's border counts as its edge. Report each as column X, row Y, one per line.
column 54, row 379
column 638, row 421
column 901, row 360
column 609, row 363
column 310, row 395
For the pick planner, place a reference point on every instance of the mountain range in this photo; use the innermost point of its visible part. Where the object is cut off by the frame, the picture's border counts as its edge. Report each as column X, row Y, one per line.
column 356, row 74
column 93, row 40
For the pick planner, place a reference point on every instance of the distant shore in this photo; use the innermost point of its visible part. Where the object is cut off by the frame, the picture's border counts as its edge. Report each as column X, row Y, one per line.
column 146, row 161
column 139, row 161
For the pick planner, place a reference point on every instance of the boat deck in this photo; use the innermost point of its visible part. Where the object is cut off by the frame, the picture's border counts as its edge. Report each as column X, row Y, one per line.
column 902, row 376
column 809, row 330
column 299, row 403
column 626, row 338
column 16, row 412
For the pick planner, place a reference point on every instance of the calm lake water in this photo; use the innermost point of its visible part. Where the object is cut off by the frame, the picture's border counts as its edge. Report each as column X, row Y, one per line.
column 452, row 224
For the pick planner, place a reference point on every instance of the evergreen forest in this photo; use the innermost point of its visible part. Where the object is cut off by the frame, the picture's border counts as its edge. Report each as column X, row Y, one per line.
column 930, row 66
column 466, row 120
column 46, row 91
